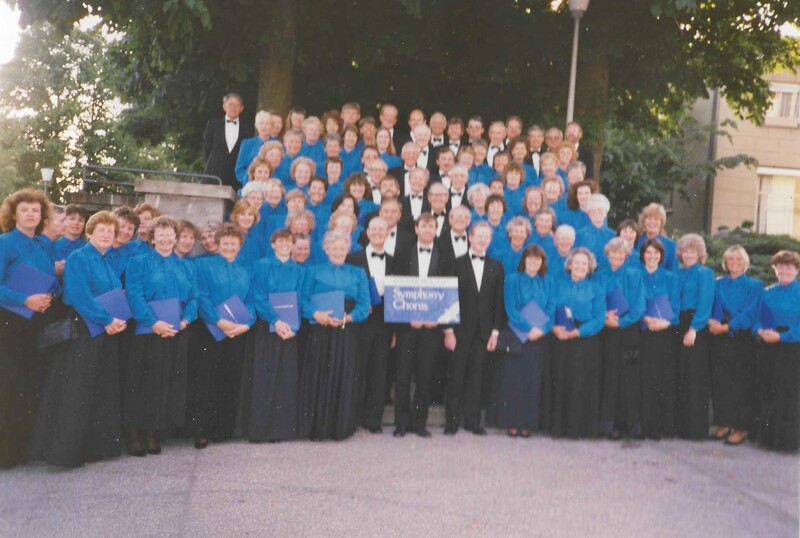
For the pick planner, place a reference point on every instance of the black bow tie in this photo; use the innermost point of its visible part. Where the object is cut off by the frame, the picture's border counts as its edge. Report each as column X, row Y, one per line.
column 460, row 238
column 457, row 193
column 424, row 152
column 235, row 122
column 456, row 144
column 495, row 147
column 476, row 257
column 394, row 233
column 416, row 197
column 375, row 189
column 438, row 140
column 437, row 215
column 378, row 255
column 423, row 249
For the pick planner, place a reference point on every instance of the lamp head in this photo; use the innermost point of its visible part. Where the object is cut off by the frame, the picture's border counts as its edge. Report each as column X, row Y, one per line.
column 47, row 174
column 578, row 7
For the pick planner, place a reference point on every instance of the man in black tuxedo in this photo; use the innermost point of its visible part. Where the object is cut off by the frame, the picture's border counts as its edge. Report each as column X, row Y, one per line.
column 222, row 139
column 422, row 138
column 397, row 239
column 416, row 202
column 573, row 134
column 480, row 293
column 418, row 343
column 497, row 141
column 375, row 335
column 409, row 154
column 438, row 124
column 455, row 134
column 535, row 149
column 456, row 242
column 438, row 196
column 553, row 138
column 388, row 119
column 459, row 175
column 475, row 129
column 445, row 160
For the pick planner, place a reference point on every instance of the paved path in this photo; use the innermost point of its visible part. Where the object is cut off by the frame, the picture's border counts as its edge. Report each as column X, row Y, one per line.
column 375, row 485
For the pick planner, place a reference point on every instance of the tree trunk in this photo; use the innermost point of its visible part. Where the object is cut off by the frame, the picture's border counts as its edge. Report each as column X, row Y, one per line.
column 591, row 101
column 278, row 52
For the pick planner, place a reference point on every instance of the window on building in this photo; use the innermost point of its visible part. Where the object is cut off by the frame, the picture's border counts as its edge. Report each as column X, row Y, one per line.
column 778, row 205
column 785, row 109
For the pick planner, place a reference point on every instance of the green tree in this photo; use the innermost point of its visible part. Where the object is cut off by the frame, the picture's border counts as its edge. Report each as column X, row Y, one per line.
column 641, row 166
column 638, row 59
column 58, row 109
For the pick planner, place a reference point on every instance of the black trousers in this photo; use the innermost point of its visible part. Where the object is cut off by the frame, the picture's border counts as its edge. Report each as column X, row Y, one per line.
column 621, row 399
column 416, row 354
column 464, row 382
column 373, row 351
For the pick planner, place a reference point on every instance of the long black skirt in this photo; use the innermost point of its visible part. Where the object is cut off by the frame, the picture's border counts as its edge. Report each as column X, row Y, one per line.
column 327, row 385
column 271, row 385
column 620, row 406
column 694, row 383
column 214, row 380
column 658, row 383
column 575, row 376
column 733, row 385
column 79, row 419
column 20, row 370
column 21, row 377
column 155, row 382
column 779, row 421
column 518, row 386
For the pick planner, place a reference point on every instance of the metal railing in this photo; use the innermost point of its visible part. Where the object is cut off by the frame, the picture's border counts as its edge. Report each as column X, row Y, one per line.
column 106, row 173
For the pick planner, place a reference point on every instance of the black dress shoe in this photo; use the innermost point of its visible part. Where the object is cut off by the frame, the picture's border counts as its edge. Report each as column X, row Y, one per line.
column 377, row 429
column 400, row 431
column 451, row 430
column 200, row 443
column 422, row 432
column 478, row 431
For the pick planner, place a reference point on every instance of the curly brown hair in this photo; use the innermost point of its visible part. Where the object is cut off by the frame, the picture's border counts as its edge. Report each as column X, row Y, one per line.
column 8, row 209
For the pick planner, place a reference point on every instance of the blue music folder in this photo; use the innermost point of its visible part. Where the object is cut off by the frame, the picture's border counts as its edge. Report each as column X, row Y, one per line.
column 615, row 300
column 116, row 304
column 534, row 315
column 659, row 307
column 285, row 304
column 330, row 300
column 231, row 309
column 168, row 310
column 28, row 281
column 564, row 317
column 767, row 317
column 374, row 295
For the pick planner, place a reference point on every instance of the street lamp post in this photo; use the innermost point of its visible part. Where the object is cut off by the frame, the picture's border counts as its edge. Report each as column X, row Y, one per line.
column 577, row 8
column 47, row 175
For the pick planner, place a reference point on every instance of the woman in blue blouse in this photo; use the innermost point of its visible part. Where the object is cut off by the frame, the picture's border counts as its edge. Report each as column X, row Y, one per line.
column 696, row 284
column 658, row 340
column 250, row 147
column 245, row 217
column 79, row 419
column 575, row 373
column 22, row 216
column 155, row 377
column 596, row 234
column 215, row 367
column 518, row 230
column 519, row 376
column 733, row 350
column 620, row 407
column 357, row 186
column 577, row 206
column 328, row 379
column 652, row 223
column 386, row 149
column 269, row 410
column 779, row 356
column 121, row 250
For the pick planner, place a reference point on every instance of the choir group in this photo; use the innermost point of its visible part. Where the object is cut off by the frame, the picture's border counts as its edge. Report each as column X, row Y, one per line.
column 567, row 327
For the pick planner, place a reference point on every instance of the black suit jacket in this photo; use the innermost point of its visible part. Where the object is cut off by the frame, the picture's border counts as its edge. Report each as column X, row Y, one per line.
column 586, row 156
column 399, row 138
column 399, row 173
column 481, row 312
column 407, row 261
column 219, row 161
column 407, row 219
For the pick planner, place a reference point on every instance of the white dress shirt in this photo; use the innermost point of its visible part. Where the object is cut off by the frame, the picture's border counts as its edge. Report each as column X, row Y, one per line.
column 455, row 145
column 535, row 160
column 445, row 178
column 391, row 241
column 377, row 267
column 406, row 182
column 376, row 191
column 477, row 267
column 231, row 132
column 456, row 197
column 424, row 257
column 437, row 141
column 416, row 204
column 439, row 223
column 422, row 160
column 461, row 246
column 493, row 150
